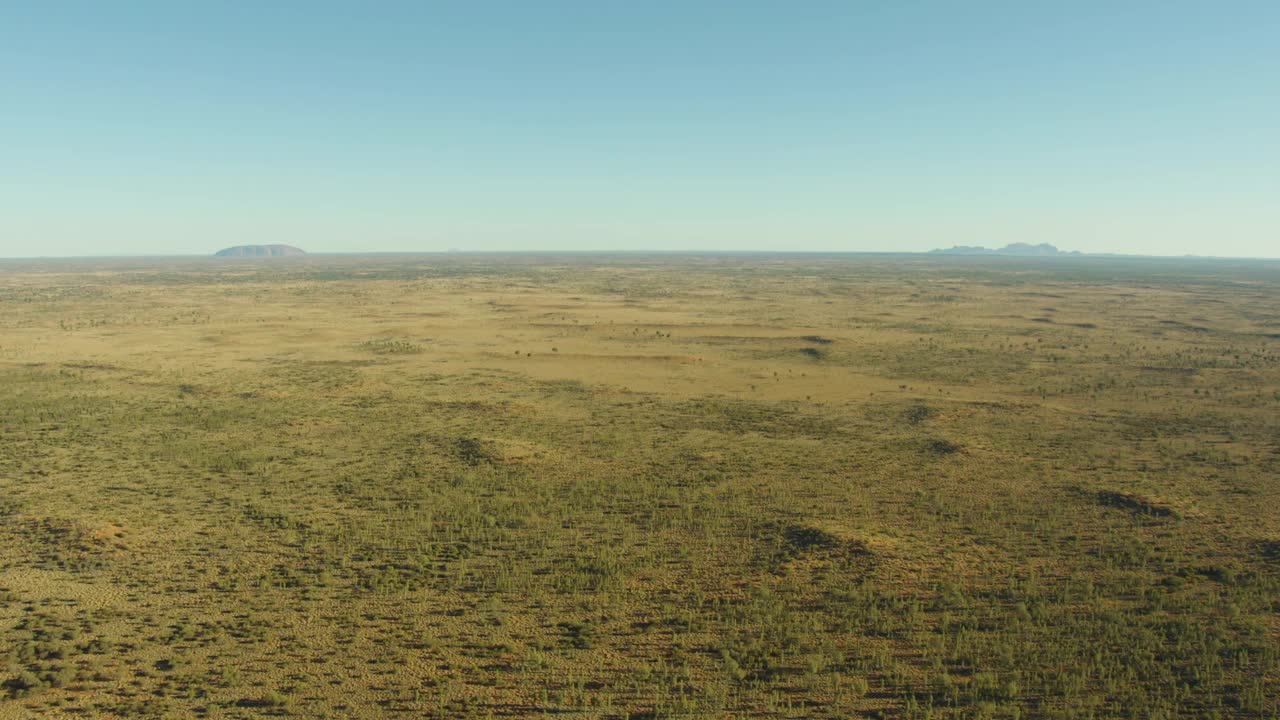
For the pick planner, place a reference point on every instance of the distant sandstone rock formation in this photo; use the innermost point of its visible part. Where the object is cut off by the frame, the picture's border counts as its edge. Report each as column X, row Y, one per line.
column 1019, row 248
column 260, row 251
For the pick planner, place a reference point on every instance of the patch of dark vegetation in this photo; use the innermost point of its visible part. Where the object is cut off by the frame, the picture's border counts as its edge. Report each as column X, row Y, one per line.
column 1137, row 504
column 917, row 414
column 579, row 634
column 56, row 544
column 21, row 685
column 1228, row 573
column 567, row 386
column 940, row 448
column 391, row 347
column 814, row 352
column 317, row 374
column 473, row 451
column 1085, row 325
column 1185, row 326
column 1042, row 320
column 817, row 339
column 779, row 543
column 804, row 538
column 269, row 701
column 467, row 408
column 272, row 518
column 1150, row 427
column 92, row 366
column 1269, row 550
column 47, row 651
column 741, row 416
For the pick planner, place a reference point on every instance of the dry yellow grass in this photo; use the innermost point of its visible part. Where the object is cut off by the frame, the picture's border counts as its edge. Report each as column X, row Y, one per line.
column 631, row 486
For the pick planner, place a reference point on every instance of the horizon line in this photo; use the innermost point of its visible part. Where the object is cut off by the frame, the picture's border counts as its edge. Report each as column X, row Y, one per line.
column 1060, row 255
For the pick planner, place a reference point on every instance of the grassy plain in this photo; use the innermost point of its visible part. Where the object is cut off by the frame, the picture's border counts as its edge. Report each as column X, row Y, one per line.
column 640, row 487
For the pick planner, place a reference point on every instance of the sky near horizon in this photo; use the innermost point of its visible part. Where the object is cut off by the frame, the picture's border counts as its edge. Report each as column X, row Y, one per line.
column 158, row 127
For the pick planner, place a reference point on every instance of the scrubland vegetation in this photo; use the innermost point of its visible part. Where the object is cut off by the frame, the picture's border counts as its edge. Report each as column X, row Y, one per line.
column 640, row 487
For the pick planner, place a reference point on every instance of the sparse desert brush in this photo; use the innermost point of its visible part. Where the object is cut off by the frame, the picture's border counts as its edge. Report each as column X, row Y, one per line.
column 889, row 491
column 391, row 346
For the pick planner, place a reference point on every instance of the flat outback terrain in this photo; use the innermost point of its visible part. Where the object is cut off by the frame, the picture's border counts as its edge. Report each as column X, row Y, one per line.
column 640, row 486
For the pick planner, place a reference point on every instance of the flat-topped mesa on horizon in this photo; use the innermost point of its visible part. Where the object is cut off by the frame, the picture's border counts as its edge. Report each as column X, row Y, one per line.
column 260, row 251
column 1019, row 248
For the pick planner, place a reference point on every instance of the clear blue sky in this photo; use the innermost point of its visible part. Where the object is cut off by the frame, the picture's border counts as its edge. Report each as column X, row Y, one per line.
column 181, row 127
